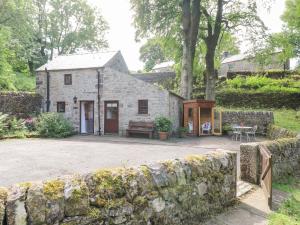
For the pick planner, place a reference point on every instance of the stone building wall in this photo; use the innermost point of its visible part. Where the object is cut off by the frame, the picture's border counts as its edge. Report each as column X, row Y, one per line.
column 176, row 192
column 250, row 65
column 261, row 119
column 84, row 87
column 21, row 104
column 117, row 86
column 285, row 159
column 128, row 90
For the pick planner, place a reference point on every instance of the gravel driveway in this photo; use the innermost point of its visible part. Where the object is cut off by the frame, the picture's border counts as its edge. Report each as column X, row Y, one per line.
column 39, row 159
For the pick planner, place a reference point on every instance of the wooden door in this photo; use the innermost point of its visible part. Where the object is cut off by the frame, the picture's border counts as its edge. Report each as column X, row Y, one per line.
column 111, row 117
column 266, row 173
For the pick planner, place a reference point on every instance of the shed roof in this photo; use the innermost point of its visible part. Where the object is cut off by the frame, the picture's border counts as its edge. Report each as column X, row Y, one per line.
column 79, row 61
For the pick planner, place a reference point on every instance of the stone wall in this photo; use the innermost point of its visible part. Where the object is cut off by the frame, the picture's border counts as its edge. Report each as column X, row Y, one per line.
column 250, row 118
column 173, row 192
column 20, row 104
column 276, row 132
column 285, row 159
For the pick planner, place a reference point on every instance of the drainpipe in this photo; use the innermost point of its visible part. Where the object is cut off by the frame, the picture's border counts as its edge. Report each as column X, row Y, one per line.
column 48, row 90
column 99, row 99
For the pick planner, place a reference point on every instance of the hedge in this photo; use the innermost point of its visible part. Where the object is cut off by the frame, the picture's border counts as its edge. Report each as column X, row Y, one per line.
column 275, row 74
column 250, row 99
column 21, row 104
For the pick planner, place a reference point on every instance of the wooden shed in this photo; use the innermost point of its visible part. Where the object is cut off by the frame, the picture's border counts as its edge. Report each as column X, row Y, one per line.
column 198, row 113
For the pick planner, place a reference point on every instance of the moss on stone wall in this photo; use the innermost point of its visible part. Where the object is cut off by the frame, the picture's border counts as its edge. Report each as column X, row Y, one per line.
column 54, row 189
column 161, row 193
column 276, row 132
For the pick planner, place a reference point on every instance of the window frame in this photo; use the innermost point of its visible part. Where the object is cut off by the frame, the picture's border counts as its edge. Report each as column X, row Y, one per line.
column 65, row 79
column 58, row 105
column 143, row 107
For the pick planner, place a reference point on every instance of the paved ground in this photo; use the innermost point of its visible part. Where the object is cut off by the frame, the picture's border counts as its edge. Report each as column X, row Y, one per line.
column 252, row 210
column 38, row 159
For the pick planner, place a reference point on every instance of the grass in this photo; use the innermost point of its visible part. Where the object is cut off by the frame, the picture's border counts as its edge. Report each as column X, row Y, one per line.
column 25, row 82
column 289, row 212
column 289, row 119
column 286, row 118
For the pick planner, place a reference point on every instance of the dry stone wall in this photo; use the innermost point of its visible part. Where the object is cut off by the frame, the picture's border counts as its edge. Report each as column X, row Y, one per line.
column 285, row 159
column 173, row 192
column 20, row 104
column 261, row 119
column 275, row 132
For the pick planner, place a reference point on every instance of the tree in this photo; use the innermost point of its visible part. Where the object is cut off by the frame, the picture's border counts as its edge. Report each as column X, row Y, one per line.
column 174, row 19
column 287, row 41
column 65, row 26
column 39, row 28
column 152, row 53
column 220, row 16
column 291, row 32
column 6, row 72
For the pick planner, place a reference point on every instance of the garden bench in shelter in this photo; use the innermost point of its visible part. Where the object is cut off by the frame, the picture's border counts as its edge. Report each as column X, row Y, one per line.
column 140, row 127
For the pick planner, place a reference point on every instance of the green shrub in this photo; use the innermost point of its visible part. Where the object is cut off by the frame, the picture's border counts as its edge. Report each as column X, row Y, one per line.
column 183, row 131
column 262, row 84
column 54, row 125
column 226, row 128
column 163, row 124
column 15, row 125
column 30, row 124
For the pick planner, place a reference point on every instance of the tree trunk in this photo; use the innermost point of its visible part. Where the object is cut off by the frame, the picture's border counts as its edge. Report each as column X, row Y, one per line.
column 210, row 92
column 31, row 67
column 190, row 24
column 186, row 72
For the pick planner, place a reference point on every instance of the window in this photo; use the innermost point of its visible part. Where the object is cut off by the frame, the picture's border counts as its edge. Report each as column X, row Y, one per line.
column 143, row 106
column 61, row 107
column 68, row 79
column 190, row 112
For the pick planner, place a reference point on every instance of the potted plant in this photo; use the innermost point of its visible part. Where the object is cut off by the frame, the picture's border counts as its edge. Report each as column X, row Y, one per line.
column 183, row 131
column 163, row 126
column 227, row 129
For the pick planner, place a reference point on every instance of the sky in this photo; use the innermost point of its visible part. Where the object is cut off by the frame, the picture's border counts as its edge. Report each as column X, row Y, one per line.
column 121, row 34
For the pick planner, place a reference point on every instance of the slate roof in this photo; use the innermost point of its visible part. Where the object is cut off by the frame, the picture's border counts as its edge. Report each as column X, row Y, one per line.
column 155, row 77
column 79, row 61
column 235, row 58
column 163, row 65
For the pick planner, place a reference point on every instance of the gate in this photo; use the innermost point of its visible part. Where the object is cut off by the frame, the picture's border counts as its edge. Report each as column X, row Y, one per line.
column 266, row 173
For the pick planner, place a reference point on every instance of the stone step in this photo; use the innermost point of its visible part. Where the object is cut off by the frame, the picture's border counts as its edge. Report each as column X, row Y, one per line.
column 243, row 188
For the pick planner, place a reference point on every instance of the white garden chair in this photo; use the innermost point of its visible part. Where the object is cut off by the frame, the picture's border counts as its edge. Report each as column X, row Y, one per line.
column 206, row 127
column 251, row 133
column 236, row 133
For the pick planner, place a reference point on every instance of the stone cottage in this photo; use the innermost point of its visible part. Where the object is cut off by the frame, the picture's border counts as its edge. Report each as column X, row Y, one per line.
column 245, row 63
column 81, row 85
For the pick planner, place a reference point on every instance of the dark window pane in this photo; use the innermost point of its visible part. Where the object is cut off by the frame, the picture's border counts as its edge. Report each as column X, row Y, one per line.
column 143, row 106
column 68, row 79
column 190, row 112
column 61, row 107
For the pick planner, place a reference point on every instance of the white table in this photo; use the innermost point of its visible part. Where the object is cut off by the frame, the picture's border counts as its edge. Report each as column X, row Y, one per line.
column 243, row 129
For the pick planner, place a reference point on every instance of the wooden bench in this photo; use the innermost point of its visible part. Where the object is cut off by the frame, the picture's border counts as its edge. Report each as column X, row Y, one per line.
column 140, row 128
